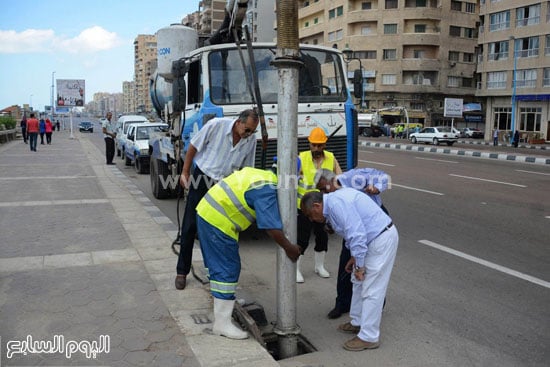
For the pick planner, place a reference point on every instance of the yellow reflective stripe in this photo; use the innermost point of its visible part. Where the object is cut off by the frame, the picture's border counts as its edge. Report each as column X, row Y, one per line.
column 222, row 287
column 216, row 206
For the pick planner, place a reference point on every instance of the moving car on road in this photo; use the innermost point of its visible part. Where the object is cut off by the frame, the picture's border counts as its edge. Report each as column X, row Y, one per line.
column 434, row 135
column 86, row 126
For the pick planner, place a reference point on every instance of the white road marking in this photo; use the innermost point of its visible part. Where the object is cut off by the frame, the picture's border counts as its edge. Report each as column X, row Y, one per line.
column 486, row 180
column 437, row 160
column 379, row 163
column 416, row 189
column 486, row 263
column 533, row 172
column 53, row 202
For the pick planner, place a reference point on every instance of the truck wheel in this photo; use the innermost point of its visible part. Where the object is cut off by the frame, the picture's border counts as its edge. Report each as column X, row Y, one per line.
column 127, row 161
column 142, row 166
column 158, row 174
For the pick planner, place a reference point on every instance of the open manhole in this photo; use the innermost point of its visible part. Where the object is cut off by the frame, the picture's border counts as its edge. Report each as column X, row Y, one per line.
column 252, row 317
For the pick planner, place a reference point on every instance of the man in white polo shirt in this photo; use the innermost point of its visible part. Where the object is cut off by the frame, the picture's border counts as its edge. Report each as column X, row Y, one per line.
column 222, row 146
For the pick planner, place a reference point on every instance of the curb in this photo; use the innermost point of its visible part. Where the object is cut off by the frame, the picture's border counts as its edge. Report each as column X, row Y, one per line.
column 459, row 152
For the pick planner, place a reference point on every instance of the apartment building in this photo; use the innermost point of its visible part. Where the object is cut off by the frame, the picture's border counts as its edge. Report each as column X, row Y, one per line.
column 514, row 66
column 128, row 97
column 413, row 53
column 145, row 63
column 211, row 14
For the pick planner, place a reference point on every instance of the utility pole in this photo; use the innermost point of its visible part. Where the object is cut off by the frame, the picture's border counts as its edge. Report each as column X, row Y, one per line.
column 52, row 98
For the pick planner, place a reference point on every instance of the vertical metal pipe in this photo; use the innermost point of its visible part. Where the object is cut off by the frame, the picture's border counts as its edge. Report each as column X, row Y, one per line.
column 287, row 153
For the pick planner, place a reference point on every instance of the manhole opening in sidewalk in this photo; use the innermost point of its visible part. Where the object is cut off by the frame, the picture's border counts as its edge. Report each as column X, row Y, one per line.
column 273, row 340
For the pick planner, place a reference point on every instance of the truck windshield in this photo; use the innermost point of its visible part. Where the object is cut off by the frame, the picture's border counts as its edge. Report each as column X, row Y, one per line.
column 320, row 79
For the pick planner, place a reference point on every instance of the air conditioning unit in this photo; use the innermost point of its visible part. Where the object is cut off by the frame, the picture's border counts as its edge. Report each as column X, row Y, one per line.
column 426, row 82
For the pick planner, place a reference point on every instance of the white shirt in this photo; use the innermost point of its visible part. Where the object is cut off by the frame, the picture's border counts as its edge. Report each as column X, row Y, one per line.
column 109, row 126
column 216, row 156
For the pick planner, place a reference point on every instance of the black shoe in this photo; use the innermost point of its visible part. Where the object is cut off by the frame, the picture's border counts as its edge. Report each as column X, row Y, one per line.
column 111, row 163
column 335, row 313
column 181, row 281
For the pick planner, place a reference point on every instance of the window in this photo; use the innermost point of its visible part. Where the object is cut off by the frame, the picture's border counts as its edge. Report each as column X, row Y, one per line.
column 336, row 12
column 547, row 48
column 456, row 5
column 415, row 3
column 454, row 55
column 389, row 79
column 391, row 4
column 502, row 116
column 528, row 15
column 529, row 118
column 546, row 77
column 365, row 31
column 390, row 54
column 526, row 78
column 390, row 28
column 366, row 5
column 335, row 36
column 419, row 54
column 316, row 21
column 417, row 106
column 454, row 31
column 496, row 80
column 470, row 8
column 468, row 57
column 499, row 21
column 306, row 24
column 369, row 54
column 454, row 81
column 469, row 33
column 420, row 28
column 498, row 50
column 527, row 47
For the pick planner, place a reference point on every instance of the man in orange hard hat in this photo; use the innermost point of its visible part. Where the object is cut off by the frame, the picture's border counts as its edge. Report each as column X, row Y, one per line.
column 312, row 160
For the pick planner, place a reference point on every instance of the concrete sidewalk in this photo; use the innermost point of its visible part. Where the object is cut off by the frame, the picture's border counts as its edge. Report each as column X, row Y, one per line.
column 85, row 260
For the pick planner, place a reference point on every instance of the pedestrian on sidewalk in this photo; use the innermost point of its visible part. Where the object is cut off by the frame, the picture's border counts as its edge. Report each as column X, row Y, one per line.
column 23, row 125
column 222, row 146
column 372, row 240
column 515, row 140
column 228, row 208
column 42, row 126
column 33, row 127
column 57, row 125
column 311, row 160
column 49, row 129
column 369, row 181
column 495, row 137
column 109, row 136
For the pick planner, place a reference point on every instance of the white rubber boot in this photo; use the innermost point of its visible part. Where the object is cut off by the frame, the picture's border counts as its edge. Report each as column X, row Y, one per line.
column 223, row 309
column 299, row 276
column 320, row 264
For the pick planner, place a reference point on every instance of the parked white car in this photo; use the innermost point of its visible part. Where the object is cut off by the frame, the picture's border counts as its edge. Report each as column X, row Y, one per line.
column 137, row 144
column 121, row 129
column 434, row 135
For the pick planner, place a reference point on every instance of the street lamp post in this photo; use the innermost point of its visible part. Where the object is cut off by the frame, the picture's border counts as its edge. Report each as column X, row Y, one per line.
column 348, row 54
column 30, row 104
column 514, row 82
column 52, row 97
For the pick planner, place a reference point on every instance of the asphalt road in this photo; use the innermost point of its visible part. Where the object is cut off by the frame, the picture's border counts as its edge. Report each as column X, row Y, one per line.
column 471, row 284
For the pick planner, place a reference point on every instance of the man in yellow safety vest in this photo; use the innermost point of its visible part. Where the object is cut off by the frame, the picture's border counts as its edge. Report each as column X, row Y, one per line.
column 228, row 208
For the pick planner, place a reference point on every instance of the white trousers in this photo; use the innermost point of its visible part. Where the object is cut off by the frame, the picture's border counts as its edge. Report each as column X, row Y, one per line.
column 368, row 295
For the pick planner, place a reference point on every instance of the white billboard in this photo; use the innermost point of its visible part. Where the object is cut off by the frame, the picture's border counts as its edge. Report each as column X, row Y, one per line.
column 453, row 107
column 70, row 92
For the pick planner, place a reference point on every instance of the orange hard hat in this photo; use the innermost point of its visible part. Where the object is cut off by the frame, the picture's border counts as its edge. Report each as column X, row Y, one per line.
column 317, row 136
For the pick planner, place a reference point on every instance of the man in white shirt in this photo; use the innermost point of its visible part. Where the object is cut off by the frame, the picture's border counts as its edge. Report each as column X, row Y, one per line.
column 372, row 239
column 222, row 146
column 109, row 135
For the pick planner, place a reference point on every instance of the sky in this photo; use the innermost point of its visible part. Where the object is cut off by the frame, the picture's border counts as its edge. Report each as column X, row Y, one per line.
column 90, row 40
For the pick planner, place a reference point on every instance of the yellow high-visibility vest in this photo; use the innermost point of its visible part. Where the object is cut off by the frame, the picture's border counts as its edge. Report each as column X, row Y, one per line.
column 309, row 170
column 224, row 205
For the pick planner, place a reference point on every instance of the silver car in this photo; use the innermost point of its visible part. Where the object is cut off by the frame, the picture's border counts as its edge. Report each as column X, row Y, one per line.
column 434, row 135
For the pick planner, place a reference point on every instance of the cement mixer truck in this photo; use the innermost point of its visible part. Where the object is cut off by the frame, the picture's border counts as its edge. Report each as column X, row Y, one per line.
column 196, row 81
